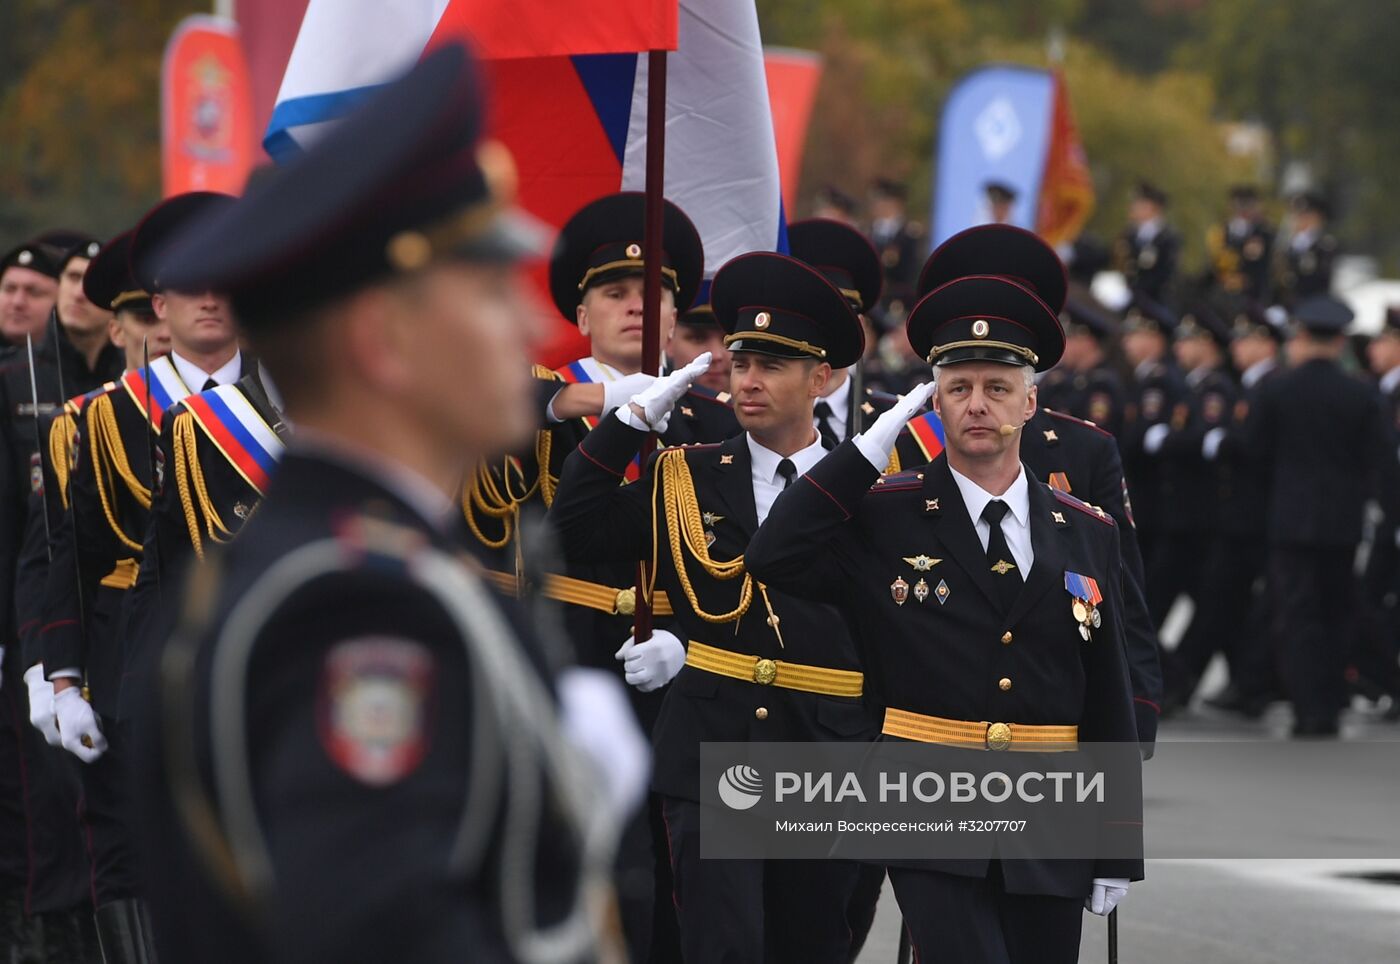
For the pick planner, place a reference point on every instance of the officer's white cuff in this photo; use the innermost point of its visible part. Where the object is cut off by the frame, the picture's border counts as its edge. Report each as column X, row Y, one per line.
column 1210, row 446
column 1153, row 438
column 549, row 410
column 875, row 453
column 68, row 672
column 629, row 418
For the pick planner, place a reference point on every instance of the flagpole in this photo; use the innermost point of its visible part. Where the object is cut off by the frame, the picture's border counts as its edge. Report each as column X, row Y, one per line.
column 651, row 279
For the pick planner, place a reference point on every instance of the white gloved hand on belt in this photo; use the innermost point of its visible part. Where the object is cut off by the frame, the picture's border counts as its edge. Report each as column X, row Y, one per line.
column 654, row 663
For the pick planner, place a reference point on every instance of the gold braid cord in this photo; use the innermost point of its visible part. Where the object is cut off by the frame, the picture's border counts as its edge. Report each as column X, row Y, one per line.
column 189, row 482
column 109, row 460
column 482, row 494
column 894, row 467
column 687, row 535
column 60, row 451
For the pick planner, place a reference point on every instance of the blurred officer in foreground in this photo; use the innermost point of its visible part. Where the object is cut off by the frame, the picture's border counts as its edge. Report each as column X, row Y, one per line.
column 1317, row 496
column 352, row 755
column 1011, row 554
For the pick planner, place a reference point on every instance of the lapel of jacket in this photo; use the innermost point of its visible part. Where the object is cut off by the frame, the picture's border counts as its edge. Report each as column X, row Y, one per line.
column 1047, row 571
column 732, row 474
column 954, row 526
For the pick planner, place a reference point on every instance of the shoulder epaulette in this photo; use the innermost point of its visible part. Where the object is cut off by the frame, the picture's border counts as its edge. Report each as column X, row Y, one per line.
column 1078, row 421
column 75, row 404
column 899, row 482
column 548, row 374
column 1092, row 511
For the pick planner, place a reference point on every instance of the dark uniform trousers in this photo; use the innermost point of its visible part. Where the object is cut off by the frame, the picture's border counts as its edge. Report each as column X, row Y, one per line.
column 728, row 910
column 834, row 536
column 1327, row 447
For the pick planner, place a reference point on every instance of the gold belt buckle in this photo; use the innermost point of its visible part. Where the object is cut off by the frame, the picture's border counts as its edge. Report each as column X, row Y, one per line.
column 998, row 736
column 765, row 671
column 626, row 602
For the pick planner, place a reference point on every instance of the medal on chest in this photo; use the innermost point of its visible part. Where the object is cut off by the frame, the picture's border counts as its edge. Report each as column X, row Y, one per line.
column 1084, row 605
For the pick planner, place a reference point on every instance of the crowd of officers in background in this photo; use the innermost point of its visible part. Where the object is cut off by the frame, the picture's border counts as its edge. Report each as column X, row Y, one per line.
column 1261, row 468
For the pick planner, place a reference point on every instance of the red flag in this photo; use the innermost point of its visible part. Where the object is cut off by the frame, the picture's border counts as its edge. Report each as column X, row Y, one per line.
column 557, row 28
column 793, row 76
column 1067, row 190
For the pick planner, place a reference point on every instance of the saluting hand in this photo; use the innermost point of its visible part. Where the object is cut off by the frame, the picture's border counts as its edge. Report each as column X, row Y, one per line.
column 877, row 442
column 651, row 407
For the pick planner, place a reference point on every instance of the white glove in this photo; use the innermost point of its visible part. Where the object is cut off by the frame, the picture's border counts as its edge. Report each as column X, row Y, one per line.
column 877, row 442
column 618, row 393
column 598, row 720
column 41, row 704
column 1210, row 445
column 1107, row 893
column 654, row 663
column 658, row 398
column 1153, row 438
column 77, row 725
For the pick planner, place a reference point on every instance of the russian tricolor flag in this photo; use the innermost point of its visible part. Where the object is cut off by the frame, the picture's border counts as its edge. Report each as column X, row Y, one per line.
column 568, row 97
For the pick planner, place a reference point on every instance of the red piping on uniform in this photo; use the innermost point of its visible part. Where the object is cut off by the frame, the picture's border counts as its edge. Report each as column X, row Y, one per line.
column 599, row 464
column 1143, row 699
column 829, row 496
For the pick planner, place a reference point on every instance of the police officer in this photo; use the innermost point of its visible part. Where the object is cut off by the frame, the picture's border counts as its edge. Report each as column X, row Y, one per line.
column 1233, row 612
column 1377, row 660
column 1084, row 384
column 1155, row 390
column 843, row 256
column 351, row 754
column 1072, row 456
column 1000, row 199
column 1148, row 249
column 900, row 244
column 1004, row 542
column 1311, row 251
column 745, row 663
column 220, row 434
column 28, row 289
column 1240, row 250
column 1317, row 495
column 1190, row 490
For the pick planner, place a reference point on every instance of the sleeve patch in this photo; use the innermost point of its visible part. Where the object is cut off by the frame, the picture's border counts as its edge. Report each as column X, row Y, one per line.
column 374, row 707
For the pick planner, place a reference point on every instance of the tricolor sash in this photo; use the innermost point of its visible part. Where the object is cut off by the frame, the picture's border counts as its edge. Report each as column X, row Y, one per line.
column 927, row 430
column 589, row 371
column 166, row 388
column 239, row 431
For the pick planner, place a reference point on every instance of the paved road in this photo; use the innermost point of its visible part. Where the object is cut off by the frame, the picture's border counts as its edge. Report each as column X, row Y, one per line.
column 1258, row 911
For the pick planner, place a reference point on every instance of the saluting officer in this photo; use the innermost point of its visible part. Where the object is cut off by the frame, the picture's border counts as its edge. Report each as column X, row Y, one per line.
column 987, row 561
column 698, row 332
column 351, row 754
column 1317, row 496
column 746, row 662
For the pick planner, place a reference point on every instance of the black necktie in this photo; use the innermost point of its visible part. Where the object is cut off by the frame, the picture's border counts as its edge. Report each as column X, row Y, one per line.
column 1005, row 575
column 824, row 429
column 788, row 471
column 209, row 383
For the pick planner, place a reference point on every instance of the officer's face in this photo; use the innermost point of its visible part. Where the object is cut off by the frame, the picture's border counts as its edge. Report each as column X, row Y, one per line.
column 1141, row 210
column 1383, row 353
column 200, row 323
column 463, row 336
column 690, row 341
column 1249, row 350
column 26, row 297
column 1082, row 352
column 136, row 333
column 78, row 314
column 773, row 394
column 611, row 318
column 1192, row 353
column 974, row 400
column 1140, row 345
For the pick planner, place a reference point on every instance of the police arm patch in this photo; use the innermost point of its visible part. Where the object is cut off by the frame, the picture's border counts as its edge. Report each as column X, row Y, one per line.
column 374, row 707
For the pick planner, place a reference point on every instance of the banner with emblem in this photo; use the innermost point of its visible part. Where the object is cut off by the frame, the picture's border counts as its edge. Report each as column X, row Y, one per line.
column 207, row 138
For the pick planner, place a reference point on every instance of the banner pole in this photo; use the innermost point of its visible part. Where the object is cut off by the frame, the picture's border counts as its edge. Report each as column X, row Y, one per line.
column 651, row 290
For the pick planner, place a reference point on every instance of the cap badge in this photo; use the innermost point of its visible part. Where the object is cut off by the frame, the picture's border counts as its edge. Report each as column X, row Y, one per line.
column 409, row 250
column 24, row 258
column 762, row 320
column 634, row 250
column 980, row 328
column 92, row 249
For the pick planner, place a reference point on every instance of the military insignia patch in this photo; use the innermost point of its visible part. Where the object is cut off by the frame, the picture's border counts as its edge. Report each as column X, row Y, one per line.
column 373, row 719
column 930, row 505
column 241, row 510
column 867, row 408
column 899, row 591
column 687, row 411
column 36, row 474
column 1002, row 567
column 1050, row 435
column 711, row 519
column 709, row 538
column 1059, row 518
column 726, row 460
column 921, row 562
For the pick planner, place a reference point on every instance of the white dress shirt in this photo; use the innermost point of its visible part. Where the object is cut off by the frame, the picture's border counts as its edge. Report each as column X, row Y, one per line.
column 1389, row 381
column 1015, row 525
column 194, row 377
column 767, row 483
column 840, row 402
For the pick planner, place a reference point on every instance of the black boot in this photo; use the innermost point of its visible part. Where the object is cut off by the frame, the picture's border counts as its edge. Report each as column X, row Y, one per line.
column 124, row 931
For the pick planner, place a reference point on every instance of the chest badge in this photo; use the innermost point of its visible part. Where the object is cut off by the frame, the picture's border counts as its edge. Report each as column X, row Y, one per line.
column 711, row 519
column 899, row 591
column 1002, row 567
column 922, row 563
column 942, row 592
column 1086, row 596
column 921, row 590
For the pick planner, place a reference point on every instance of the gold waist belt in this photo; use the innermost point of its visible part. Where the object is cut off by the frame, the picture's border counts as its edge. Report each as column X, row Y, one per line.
column 578, row 592
column 123, row 574
column 979, row 736
column 774, row 672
